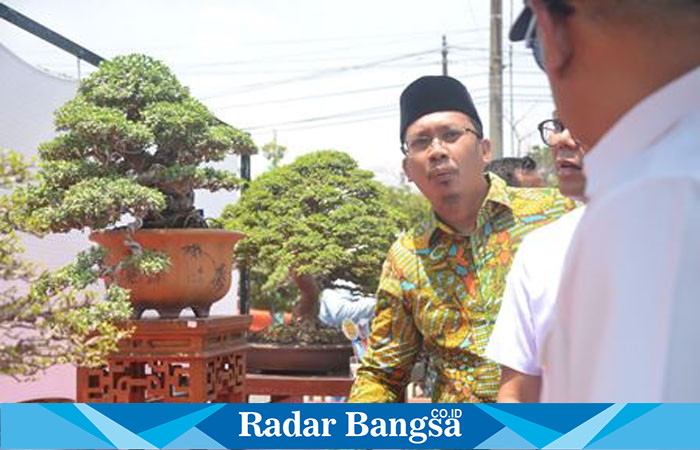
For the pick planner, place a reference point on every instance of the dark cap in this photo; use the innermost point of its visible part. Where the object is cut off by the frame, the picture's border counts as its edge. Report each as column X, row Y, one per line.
column 519, row 28
column 431, row 94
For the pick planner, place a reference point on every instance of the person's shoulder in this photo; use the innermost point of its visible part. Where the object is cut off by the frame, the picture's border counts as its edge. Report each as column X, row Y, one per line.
column 657, row 207
column 536, row 201
column 564, row 225
column 550, row 194
column 679, row 192
column 554, row 235
column 677, row 153
column 527, row 201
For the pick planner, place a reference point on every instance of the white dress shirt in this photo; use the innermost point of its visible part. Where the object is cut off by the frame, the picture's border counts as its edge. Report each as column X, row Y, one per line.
column 627, row 318
column 529, row 296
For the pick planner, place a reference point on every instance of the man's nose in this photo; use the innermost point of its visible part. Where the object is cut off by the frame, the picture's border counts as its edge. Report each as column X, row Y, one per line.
column 564, row 141
column 437, row 149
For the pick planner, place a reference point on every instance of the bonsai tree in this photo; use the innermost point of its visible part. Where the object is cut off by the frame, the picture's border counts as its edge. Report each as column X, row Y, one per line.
column 414, row 207
column 133, row 141
column 51, row 317
column 312, row 223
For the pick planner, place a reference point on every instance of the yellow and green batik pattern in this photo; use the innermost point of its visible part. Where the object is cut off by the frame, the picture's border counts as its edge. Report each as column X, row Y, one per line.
column 443, row 290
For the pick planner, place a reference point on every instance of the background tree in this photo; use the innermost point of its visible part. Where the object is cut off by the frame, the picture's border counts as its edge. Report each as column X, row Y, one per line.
column 132, row 141
column 411, row 206
column 274, row 153
column 51, row 317
column 313, row 222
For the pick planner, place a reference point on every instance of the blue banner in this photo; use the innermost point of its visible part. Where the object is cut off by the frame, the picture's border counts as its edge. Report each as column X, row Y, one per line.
column 326, row 426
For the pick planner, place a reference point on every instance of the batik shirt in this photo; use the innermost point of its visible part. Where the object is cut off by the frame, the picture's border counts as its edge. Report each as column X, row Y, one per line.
column 441, row 290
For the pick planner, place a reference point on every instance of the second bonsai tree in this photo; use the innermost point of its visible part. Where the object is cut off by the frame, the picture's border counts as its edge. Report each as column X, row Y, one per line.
column 309, row 225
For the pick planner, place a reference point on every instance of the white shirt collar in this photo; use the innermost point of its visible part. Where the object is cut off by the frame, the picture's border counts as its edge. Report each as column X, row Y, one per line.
column 639, row 128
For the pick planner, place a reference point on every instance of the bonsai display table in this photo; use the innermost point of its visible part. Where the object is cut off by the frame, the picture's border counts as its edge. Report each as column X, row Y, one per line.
column 173, row 360
column 293, row 388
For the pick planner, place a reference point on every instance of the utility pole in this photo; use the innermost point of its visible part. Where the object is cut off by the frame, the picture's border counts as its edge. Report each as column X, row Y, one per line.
column 243, row 270
column 510, row 79
column 496, row 81
column 444, row 54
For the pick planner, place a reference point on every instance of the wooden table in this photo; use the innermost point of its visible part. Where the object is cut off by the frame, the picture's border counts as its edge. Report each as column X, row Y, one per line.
column 173, row 360
column 293, row 388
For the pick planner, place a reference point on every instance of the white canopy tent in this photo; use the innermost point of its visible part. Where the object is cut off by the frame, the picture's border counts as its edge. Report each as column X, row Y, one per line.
column 28, row 97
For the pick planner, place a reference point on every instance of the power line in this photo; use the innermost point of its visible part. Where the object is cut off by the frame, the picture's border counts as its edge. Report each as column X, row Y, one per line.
column 371, row 112
column 348, row 92
column 376, row 36
column 377, row 116
column 351, row 92
column 369, row 118
column 317, row 74
column 275, row 59
column 315, row 96
column 292, row 58
column 380, row 108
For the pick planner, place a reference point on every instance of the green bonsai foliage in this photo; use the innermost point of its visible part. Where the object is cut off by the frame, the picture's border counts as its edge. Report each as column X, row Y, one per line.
column 278, row 300
column 312, row 222
column 132, row 141
column 413, row 208
column 51, row 317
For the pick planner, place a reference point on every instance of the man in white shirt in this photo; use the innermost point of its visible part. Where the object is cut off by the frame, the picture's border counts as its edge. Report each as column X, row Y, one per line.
column 626, row 80
column 531, row 287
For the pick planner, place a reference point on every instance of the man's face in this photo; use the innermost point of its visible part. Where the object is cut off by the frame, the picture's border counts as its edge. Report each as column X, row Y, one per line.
column 446, row 172
column 557, row 57
column 568, row 159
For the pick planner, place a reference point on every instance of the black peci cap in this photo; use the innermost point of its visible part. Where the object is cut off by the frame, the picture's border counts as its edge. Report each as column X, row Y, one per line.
column 431, row 94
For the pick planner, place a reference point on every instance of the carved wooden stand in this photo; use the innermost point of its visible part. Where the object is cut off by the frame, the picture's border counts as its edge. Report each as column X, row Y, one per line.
column 173, row 360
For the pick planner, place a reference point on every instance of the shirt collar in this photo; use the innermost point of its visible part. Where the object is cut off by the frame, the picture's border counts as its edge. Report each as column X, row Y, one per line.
column 497, row 195
column 638, row 129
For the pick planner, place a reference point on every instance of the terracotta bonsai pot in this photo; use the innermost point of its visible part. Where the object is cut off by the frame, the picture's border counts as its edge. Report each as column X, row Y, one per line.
column 200, row 272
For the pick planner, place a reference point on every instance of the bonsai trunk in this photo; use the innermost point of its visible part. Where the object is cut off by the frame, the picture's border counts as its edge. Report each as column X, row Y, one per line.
column 308, row 299
column 179, row 213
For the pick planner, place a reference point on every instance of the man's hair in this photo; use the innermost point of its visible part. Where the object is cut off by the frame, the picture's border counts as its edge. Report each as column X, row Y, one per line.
column 508, row 166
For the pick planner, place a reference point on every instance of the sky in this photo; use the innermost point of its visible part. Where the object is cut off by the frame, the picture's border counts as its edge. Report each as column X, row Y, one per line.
column 311, row 74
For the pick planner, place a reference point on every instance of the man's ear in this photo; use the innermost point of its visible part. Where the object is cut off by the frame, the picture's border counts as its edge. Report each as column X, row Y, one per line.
column 485, row 147
column 407, row 169
column 554, row 37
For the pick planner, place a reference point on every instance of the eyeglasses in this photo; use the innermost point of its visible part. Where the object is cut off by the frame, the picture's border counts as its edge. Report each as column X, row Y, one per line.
column 419, row 144
column 548, row 128
column 533, row 42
